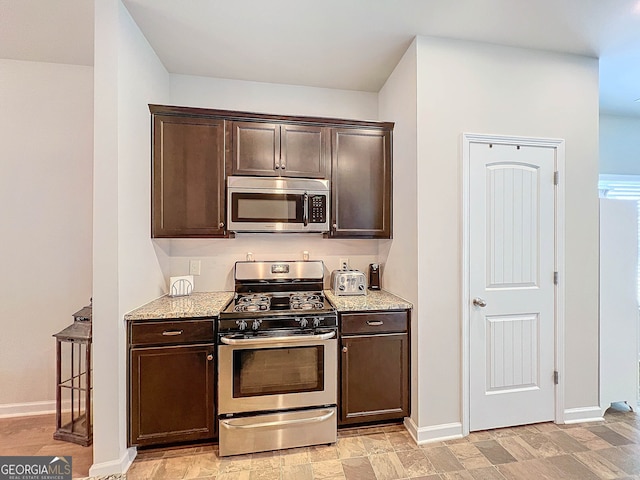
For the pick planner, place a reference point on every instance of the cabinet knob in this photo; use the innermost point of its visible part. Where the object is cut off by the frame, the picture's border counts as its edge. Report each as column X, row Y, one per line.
column 335, row 225
column 221, row 225
column 345, row 349
column 283, row 166
column 277, row 165
column 210, row 357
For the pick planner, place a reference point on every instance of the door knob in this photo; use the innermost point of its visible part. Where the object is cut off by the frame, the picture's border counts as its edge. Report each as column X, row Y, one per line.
column 479, row 302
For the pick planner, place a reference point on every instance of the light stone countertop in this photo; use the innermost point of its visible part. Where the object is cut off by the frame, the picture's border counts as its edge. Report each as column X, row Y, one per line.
column 373, row 300
column 196, row 305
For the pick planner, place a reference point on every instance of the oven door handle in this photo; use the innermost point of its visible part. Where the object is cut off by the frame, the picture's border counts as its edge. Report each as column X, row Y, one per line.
column 279, row 423
column 270, row 340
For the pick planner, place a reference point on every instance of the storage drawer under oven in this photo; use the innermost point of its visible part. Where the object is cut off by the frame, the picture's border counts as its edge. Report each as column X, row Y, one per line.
column 172, row 332
column 272, row 431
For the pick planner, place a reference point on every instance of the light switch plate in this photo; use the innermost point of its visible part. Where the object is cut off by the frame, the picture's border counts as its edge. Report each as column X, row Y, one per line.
column 194, row 267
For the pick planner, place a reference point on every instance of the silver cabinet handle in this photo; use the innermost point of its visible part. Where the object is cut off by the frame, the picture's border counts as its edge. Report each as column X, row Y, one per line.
column 210, row 357
column 279, row 423
column 171, row 333
column 268, row 340
column 345, row 349
column 479, row 302
column 221, row 225
column 375, row 323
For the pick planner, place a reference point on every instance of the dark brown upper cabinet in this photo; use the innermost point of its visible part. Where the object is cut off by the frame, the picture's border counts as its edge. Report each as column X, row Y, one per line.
column 276, row 149
column 361, row 183
column 188, row 176
column 194, row 149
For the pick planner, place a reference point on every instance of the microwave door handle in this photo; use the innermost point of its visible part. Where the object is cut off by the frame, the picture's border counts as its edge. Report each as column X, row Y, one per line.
column 305, row 208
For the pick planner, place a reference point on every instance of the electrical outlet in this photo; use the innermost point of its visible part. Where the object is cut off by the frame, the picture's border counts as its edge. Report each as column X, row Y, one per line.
column 194, row 267
column 344, row 264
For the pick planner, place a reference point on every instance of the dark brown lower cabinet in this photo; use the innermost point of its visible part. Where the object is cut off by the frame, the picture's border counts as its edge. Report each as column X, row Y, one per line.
column 171, row 393
column 374, row 369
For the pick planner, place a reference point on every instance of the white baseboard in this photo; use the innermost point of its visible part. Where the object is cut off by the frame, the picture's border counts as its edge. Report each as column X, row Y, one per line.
column 435, row 433
column 583, row 414
column 25, row 409
column 115, row 466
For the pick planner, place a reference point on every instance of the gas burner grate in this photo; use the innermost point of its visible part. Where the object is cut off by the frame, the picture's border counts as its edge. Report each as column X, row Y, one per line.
column 253, row 303
column 306, row 306
column 302, row 301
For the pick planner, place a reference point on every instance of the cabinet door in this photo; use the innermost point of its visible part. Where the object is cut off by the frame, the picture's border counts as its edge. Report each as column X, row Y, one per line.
column 374, row 378
column 303, row 151
column 188, row 177
column 361, row 183
column 171, row 394
column 256, row 148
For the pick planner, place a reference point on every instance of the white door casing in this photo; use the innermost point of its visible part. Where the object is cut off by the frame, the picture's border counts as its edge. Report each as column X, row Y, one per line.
column 510, row 259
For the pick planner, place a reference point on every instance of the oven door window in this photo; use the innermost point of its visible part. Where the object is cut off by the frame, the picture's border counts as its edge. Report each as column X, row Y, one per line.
column 278, row 371
column 267, row 207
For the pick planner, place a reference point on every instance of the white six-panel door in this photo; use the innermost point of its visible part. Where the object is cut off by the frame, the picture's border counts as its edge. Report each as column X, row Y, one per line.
column 511, row 285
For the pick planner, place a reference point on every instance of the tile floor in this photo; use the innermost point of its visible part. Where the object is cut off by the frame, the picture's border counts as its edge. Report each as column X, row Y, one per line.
column 600, row 450
column 589, row 451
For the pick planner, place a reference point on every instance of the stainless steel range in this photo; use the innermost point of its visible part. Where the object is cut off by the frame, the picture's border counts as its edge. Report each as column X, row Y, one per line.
column 277, row 351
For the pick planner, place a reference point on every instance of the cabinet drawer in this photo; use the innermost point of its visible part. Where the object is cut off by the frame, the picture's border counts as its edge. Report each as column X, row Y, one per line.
column 369, row 322
column 161, row 333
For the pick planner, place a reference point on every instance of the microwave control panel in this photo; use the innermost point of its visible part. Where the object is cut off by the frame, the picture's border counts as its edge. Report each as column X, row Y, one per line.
column 318, row 208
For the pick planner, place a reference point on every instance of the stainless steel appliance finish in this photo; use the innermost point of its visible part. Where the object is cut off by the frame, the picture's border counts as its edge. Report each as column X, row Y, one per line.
column 291, row 374
column 348, row 282
column 268, row 204
column 273, row 431
column 277, row 359
column 270, row 271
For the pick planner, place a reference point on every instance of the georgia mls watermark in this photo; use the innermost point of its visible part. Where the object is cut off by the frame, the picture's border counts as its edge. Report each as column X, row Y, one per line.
column 35, row 468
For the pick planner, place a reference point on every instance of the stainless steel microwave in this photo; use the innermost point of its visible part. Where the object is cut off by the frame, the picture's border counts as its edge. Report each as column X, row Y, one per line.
column 276, row 204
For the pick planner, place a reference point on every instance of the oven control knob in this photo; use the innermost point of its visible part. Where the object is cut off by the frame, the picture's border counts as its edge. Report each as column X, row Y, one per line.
column 302, row 321
column 242, row 324
column 361, row 287
column 340, row 287
column 256, row 324
column 316, row 321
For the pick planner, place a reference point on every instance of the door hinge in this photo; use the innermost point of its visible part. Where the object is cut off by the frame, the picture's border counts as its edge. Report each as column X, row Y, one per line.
column 556, row 177
column 556, row 377
column 555, row 278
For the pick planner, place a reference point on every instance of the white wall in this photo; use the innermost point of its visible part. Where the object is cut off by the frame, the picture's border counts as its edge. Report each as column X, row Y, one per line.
column 219, row 255
column 192, row 91
column 398, row 103
column 467, row 87
column 46, row 133
column 127, row 267
column 619, row 145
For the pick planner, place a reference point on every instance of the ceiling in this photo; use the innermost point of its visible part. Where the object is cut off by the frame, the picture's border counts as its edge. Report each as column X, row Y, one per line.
column 345, row 44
